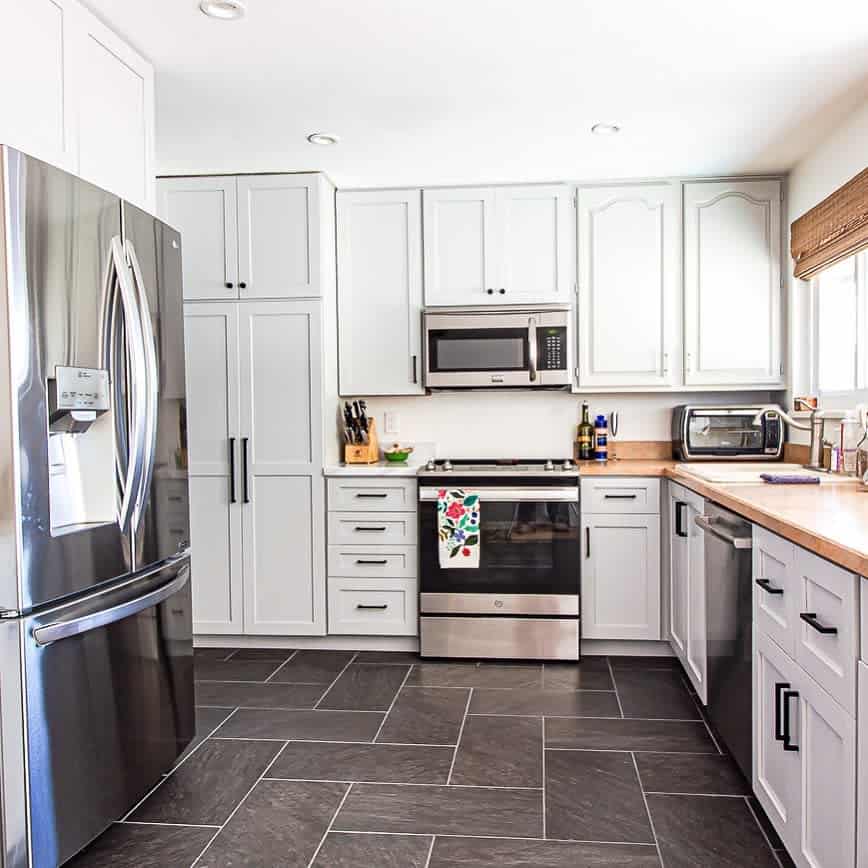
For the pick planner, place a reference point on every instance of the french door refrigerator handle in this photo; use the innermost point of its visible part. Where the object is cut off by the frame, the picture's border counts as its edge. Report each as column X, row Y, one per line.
column 49, row 633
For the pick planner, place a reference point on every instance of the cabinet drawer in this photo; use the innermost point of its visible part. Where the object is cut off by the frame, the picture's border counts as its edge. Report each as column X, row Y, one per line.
column 775, row 588
column 372, row 495
column 863, row 588
column 621, row 494
column 827, row 627
column 372, row 561
column 372, row 528
column 373, row 607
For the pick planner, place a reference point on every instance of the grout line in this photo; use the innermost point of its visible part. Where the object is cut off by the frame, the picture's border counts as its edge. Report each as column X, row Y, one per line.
column 329, row 827
column 391, row 706
column 238, row 806
column 490, row 837
column 543, row 721
column 697, row 795
column 175, row 768
column 647, row 810
column 756, row 818
column 635, row 750
column 460, row 733
column 268, row 680
column 381, row 783
column 337, row 678
column 615, row 685
column 230, row 655
column 430, row 851
column 173, row 825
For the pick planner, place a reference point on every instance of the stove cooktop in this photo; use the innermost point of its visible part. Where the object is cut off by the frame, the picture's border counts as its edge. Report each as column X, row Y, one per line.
column 481, row 467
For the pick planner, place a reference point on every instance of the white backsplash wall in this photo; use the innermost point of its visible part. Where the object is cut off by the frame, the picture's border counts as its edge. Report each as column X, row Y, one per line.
column 528, row 424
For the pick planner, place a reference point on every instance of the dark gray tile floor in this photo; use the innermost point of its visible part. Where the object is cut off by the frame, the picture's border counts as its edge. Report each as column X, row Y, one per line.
column 329, row 759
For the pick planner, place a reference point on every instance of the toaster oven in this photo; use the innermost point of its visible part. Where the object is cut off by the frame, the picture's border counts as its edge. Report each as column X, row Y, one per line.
column 713, row 432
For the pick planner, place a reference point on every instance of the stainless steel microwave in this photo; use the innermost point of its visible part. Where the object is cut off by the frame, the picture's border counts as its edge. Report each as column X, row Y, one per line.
column 715, row 432
column 498, row 347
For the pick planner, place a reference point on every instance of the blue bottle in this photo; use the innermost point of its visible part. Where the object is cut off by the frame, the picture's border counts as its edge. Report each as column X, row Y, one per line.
column 601, row 439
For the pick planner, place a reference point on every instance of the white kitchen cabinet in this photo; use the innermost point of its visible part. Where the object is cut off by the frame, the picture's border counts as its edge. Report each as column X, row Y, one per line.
column 775, row 590
column 497, row 245
column 255, row 456
column 629, row 256
column 248, row 236
column 379, row 253
column 679, row 564
column 203, row 210
column 620, row 576
column 732, row 283
column 862, row 768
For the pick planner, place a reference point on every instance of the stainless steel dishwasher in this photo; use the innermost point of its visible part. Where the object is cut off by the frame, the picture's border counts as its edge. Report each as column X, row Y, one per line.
column 729, row 620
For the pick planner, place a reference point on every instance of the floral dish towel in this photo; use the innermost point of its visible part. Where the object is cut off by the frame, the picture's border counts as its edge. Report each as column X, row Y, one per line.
column 458, row 528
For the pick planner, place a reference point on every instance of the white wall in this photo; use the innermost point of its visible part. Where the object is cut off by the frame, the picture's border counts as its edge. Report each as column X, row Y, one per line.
column 840, row 156
column 527, row 424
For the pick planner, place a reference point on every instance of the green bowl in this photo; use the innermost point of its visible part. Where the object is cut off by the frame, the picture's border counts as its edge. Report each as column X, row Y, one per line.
column 398, row 455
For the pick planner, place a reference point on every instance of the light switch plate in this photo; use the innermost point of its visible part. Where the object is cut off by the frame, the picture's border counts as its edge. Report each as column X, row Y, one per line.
column 391, row 423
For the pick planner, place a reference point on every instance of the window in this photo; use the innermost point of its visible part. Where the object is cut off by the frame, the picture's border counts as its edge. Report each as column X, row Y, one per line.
column 840, row 302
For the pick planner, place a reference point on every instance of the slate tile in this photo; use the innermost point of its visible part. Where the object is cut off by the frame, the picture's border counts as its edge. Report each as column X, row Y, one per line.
column 314, row 667
column 207, row 720
column 381, row 763
column 234, row 670
column 425, row 715
column 708, row 830
column 655, row 694
column 595, row 796
column 592, row 673
column 430, row 674
column 544, row 703
column 486, row 852
column 365, row 688
column 691, row 773
column 399, row 658
column 241, row 694
column 441, row 810
column 639, row 662
column 209, row 785
column 673, row 736
column 286, row 724
column 499, row 752
column 281, row 823
column 130, row 845
column 765, row 824
column 278, row 655
column 345, row 850
column 218, row 654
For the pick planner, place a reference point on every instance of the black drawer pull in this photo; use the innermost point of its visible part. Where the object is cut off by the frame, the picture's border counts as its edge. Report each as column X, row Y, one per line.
column 620, row 496
column 679, row 518
column 787, row 696
column 767, row 586
column 372, row 563
column 811, row 618
column 381, row 607
column 780, row 735
column 361, row 494
column 370, row 529
column 174, row 498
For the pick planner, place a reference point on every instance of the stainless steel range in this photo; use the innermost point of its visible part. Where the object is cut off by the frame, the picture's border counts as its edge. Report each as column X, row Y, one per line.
column 521, row 601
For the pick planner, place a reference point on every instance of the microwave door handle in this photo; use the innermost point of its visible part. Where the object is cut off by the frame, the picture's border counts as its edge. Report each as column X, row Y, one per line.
column 532, row 348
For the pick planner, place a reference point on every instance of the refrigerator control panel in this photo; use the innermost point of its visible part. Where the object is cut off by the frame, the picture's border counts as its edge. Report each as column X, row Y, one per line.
column 82, row 388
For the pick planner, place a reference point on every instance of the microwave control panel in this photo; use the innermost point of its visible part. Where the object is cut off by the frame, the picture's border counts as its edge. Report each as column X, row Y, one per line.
column 552, row 348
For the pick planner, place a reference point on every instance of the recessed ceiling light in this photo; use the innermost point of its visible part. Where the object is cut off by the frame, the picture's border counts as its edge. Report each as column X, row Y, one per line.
column 228, row 10
column 323, row 139
column 605, row 129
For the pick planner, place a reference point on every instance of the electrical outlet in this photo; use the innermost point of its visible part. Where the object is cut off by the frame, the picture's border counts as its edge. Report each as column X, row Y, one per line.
column 391, row 423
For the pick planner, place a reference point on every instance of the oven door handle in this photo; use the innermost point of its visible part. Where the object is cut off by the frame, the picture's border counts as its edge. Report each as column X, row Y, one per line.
column 496, row 494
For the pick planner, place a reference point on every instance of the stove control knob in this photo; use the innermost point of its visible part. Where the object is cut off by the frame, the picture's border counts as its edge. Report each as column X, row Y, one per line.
column 430, row 465
column 447, row 465
column 568, row 465
column 549, row 465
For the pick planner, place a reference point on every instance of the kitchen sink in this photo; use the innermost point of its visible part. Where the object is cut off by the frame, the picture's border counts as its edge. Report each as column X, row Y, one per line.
column 749, row 472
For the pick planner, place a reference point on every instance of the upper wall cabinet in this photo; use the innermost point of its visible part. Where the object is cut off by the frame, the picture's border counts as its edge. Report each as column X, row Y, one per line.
column 628, row 302
column 497, row 245
column 732, row 283
column 250, row 236
column 379, row 247
column 82, row 99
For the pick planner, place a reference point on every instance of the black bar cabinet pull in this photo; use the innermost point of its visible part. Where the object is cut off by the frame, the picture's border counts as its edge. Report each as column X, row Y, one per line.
column 768, row 587
column 415, row 374
column 370, row 529
column 780, row 735
column 232, row 497
column 381, row 606
column 242, row 285
column 371, row 563
column 787, row 696
column 244, row 486
column 811, row 618
column 587, row 542
column 366, row 494
column 679, row 518
column 619, row 496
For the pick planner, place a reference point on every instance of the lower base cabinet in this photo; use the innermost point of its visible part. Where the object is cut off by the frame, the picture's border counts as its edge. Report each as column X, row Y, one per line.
column 862, row 768
column 804, row 761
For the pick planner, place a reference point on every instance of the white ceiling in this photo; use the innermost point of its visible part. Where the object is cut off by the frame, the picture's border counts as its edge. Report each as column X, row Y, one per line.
column 466, row 91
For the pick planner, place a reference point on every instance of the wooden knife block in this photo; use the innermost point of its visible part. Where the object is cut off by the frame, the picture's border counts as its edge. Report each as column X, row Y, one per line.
column 364, row 453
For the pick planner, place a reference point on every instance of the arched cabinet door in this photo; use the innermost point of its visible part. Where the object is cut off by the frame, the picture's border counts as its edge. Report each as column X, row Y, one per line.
column 732, row 283
column 628, row 246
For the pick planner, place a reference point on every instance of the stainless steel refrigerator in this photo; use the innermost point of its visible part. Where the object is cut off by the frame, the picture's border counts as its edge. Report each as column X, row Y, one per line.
column 96, row 658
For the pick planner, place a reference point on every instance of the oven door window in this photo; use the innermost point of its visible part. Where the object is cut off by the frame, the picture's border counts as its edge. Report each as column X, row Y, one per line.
column 724, row 434
column 525, row 548
column 451, row 350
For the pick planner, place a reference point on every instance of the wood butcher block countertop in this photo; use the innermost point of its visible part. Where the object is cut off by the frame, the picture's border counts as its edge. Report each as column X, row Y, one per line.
column 830, row 519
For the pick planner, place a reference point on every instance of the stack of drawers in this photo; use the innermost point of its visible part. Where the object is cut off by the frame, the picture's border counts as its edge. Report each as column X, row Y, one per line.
column 806, row 617
column 372, row 559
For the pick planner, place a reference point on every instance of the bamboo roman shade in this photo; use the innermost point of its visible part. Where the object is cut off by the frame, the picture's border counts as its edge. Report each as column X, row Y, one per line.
column 832, row 230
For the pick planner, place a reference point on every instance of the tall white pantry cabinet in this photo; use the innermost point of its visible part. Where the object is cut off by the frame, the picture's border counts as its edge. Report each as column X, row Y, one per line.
column 258, row 255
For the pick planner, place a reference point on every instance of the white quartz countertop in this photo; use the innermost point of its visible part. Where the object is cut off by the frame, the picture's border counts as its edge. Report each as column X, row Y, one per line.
column 381, row 468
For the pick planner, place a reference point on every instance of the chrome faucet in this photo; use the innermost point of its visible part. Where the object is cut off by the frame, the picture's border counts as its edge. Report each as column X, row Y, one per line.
column 814, row 425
